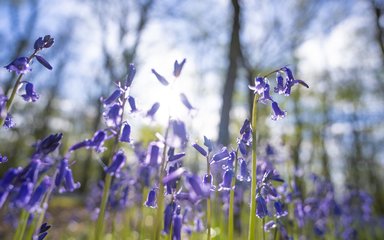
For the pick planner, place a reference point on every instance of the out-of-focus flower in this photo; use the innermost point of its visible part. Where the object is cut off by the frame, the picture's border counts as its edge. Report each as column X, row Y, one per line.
column 125, row 133
column 168, row 216
column 153, row 155
column 132, row 104
column 3, row 159
column 178, row 67
column 113, row 115
column 118, row 162
column 186, row 102
column 261, row 210
column 152, row 111
column 9, row 123
column 30, row 94
column 48, row 144
column 177, row 224
column 161, row 79
column 19, row 65
column 35, row 200
column 131, row 75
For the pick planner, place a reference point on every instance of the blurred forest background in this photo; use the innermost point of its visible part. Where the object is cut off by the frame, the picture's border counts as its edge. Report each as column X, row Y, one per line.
column 335, row 128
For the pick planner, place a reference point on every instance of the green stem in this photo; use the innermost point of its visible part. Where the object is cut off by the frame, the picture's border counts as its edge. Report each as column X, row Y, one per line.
column 232, row 202
column 99, row 231
column 252, row 216
column 23, row 220
column 160, row 193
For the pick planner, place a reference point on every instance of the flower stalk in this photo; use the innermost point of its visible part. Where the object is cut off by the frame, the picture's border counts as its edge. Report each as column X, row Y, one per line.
column 252, row 216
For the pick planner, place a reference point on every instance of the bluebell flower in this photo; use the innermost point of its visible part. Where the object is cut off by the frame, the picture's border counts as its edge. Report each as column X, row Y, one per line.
column 280, row 88
column 269, row 225
column 168, row 216
column 131, row 75
column 200, row 149
column 179, row 137
column 244, row 173
column 153, row 155
column 113, row 97
column 220, row 156
column 83, row 144
column 185, row 102
column 132, row 104
column 173, row 175
column 208, row 144
column 31, row 171
column 178, row 67
column 8, row 178
column 118, row 162
column 291, row 81
column 152, row 111
column 113, row 115
column 176, row 157
column 208, row 181
column 259, row 85
column 23, row 195
column 177, row 224
column 226, row 184
column 69, row 183
column 61, row 172
column 98, row 140
column 9, row 123
column 151, row 199
column 161, row 79
column 277, row 112
column 199, row 190
column 19, row 65
column 261, row 209
column 3, row 159
column 125, row 133
column 45, row 42
column 35, row 200
column 30, row 94
column 43, row 231
column 265, row 96
column 280, row 212
column 43, row 62
column 48, row 144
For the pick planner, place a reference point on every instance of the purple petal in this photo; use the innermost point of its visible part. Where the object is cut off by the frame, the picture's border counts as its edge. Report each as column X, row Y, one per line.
column 43, row 62
column 161, row 79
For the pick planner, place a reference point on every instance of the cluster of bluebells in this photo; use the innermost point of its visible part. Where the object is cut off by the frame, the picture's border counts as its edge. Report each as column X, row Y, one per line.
column 160, row 163
column 283, row 87
column 28, row 188
column 325, row 214
column 21, row 66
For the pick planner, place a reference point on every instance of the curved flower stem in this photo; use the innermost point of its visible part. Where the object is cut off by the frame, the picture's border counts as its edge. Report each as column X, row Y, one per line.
column 232, row 201
column 208, row 204
column 13, row 93
column 252, row 216
column 160, row 193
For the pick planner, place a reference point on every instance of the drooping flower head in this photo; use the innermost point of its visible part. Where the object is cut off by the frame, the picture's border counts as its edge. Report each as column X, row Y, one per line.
column 19, row 65
column 30, row 94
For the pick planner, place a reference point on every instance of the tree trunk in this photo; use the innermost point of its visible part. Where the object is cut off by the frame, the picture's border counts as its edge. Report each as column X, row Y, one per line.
column 233, row 57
